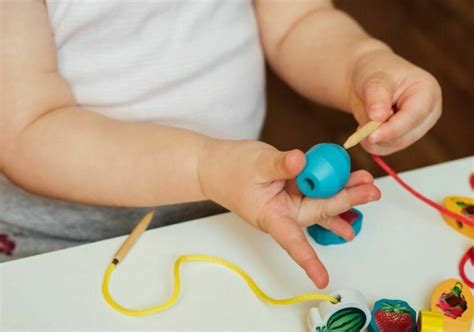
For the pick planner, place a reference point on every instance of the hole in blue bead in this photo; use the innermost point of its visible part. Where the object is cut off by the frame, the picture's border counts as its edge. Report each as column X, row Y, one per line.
column 309, row 184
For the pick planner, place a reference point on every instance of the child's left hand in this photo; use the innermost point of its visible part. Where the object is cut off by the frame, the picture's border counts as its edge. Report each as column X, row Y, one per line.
column 381, row 79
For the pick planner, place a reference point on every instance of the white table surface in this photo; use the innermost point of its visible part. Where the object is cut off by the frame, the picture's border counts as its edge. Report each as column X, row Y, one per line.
column 403, row 251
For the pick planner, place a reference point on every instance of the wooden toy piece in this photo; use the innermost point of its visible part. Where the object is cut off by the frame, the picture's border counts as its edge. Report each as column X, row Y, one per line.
column 326, row 237
column 133, row 237
column 351, row 313
column 429, row 321
column 453, row 299
column 361, row 133
column 461, row 205
column 326, row 172
column 392, row 315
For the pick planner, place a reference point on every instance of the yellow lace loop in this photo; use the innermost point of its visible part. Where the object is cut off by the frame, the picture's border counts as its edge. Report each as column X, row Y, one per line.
column 177, row 287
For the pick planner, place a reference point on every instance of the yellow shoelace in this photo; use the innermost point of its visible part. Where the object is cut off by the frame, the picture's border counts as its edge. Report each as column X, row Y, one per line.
column 177, row 287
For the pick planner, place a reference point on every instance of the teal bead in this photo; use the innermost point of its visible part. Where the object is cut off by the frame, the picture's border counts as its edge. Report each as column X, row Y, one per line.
column 327, row 171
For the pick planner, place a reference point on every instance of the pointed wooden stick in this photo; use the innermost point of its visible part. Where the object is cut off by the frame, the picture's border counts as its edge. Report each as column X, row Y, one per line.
column 361, row 133
column 133, row 237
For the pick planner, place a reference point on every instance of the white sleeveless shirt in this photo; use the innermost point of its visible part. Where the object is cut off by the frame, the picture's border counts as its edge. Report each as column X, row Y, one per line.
column 194, row 64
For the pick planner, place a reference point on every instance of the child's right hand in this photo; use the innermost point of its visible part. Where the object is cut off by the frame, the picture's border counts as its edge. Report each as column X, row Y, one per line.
column 256, row 181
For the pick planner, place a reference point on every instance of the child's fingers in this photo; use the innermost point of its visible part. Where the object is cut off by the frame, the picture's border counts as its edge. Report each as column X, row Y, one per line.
column 378, row 95
column 312, row 211
column 414, row 109
column 287, row 233
column 356, row 178
column 339, row 226
column 359, row 177
column 399, row 143
column 274, row 165
column 413, row 135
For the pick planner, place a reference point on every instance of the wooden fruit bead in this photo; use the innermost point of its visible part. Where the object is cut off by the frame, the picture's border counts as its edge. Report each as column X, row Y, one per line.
column 350, row 314
column 327, row 171
column 453, row 299
column 429, row 321
column 461, row 205
column 391, row 316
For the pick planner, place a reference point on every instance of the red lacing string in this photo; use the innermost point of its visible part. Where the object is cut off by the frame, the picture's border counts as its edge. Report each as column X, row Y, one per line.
column 469, row 255
column 459, row 217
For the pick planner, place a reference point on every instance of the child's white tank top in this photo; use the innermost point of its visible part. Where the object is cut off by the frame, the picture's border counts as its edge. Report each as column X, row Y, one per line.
column 195, row 64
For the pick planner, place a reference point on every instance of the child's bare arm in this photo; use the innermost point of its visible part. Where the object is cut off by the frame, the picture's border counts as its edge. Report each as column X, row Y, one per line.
column 51, row 146
column 312, row 46
column 327, row 56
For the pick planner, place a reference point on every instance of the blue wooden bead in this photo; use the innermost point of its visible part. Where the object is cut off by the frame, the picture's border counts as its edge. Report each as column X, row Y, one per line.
column 327, row 171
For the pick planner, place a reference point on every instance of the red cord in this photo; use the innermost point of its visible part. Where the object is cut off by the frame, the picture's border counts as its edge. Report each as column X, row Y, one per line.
column 469, row 255
column 439, row 207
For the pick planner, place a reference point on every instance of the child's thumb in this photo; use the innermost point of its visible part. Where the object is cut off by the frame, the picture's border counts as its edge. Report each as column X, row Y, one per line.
column 277, row 165
column 378, row 97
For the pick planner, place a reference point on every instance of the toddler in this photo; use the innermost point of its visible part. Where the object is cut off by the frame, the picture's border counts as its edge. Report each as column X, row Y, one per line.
column 109, row 107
